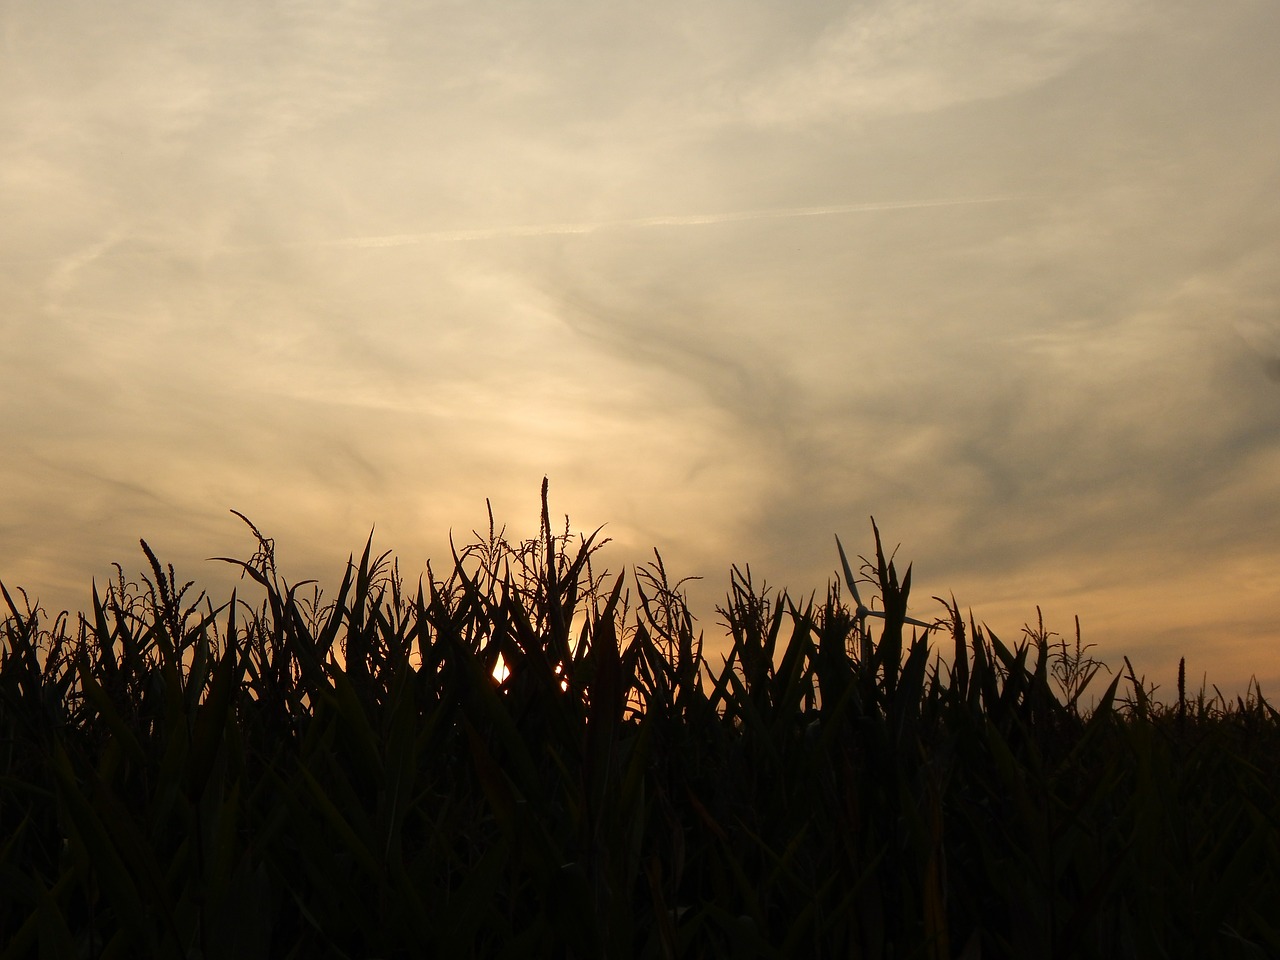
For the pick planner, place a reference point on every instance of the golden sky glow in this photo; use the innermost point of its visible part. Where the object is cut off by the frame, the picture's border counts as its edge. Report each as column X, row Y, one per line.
column 734, row 275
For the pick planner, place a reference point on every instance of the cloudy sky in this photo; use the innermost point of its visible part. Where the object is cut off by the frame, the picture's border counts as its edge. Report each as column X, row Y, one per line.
column 734, row 275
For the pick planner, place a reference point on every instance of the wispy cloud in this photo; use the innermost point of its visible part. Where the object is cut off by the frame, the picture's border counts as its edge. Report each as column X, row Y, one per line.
column 901, row 56
column 68, row 265
column 685, row 220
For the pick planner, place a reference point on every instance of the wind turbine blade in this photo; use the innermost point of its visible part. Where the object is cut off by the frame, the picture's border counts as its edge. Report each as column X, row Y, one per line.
column 848, row 578
column 911, row 620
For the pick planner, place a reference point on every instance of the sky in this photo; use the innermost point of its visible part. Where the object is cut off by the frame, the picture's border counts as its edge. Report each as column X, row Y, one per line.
column 734, row 276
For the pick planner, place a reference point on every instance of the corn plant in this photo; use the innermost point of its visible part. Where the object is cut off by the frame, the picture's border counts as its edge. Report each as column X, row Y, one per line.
column 527, row 753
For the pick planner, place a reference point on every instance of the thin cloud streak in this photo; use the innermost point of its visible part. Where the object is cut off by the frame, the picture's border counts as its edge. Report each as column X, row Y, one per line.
column 690, row 220
column 69, row 264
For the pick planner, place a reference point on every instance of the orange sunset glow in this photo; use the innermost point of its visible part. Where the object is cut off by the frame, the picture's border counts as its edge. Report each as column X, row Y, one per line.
column 734, row 277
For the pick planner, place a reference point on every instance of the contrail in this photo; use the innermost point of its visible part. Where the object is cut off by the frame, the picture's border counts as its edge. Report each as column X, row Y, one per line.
column 691, row 220
column 118, row 242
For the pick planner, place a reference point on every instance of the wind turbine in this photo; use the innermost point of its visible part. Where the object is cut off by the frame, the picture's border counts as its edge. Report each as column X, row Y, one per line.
column 861, row 610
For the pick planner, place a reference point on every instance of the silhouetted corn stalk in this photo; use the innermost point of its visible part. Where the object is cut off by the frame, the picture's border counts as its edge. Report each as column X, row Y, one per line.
column 529, row 756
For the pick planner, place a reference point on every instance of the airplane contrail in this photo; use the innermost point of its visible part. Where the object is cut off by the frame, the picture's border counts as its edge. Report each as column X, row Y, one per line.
column 689, row 220
column 118, row 241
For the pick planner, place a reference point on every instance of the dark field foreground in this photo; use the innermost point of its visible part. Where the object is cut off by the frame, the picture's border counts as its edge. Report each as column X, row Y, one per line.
column 299, row 777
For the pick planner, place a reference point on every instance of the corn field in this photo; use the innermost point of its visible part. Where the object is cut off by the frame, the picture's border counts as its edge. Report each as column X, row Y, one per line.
column 528, row 757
